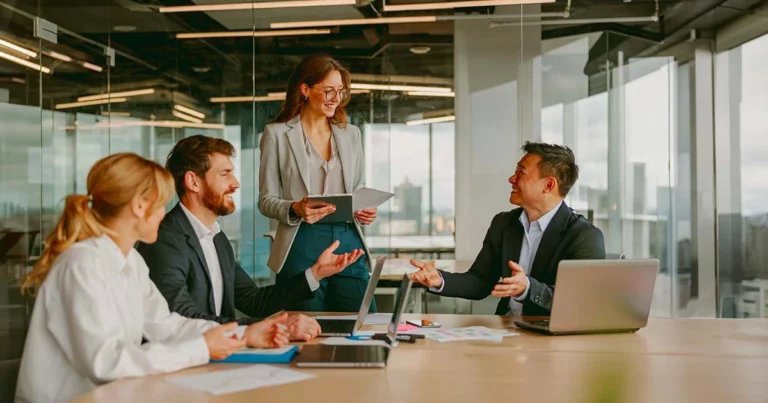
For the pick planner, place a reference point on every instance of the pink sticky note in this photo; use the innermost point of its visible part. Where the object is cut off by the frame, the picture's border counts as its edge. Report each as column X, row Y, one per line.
column 406, row 328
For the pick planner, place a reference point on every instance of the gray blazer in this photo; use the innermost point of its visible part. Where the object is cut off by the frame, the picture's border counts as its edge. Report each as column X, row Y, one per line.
column 284, row 178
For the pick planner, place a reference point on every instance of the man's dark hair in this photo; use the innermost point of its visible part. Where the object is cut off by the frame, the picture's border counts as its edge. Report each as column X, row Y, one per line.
column 193, row 154
column 557, row 161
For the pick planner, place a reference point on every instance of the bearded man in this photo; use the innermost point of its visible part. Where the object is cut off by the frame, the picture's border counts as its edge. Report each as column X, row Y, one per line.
column 193, row 264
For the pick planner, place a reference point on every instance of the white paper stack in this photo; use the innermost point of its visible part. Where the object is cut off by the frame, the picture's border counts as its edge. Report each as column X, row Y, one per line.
column 240, row 379
column 465, row 333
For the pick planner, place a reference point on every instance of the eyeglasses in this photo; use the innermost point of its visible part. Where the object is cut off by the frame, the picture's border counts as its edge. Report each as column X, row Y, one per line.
column 331, row 94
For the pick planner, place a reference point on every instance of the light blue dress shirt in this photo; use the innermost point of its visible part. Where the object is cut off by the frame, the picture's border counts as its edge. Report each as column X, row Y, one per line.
column 533, row 231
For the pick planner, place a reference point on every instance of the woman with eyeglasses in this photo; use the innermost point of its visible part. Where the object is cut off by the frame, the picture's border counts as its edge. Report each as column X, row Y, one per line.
column 309, row 150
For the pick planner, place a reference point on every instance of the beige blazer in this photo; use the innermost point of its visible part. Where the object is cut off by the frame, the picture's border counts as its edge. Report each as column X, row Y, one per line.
column 284, row 178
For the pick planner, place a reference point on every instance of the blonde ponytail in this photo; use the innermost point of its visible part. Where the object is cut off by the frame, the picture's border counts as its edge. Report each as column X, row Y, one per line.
column 77, row 223
column 113, row 182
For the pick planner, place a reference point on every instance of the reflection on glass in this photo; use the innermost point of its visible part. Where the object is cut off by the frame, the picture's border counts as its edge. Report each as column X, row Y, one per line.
column 618, row 126
column 742, row 187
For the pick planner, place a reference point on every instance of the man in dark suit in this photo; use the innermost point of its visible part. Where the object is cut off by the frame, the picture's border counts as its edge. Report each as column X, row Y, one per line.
column 524, row 246
column 193, row 264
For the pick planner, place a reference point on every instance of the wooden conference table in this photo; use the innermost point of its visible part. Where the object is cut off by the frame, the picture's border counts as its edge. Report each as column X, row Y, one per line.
column 671, row 360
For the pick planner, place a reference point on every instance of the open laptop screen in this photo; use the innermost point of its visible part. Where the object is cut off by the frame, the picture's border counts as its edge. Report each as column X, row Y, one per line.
column 401, row 299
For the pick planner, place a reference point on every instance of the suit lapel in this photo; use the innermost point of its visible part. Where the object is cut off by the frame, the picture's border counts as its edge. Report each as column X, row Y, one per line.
column 345, row 156
column 551, row 239
column 194, row 243
column 296, row 140
column 227, row 275
column 512, row 243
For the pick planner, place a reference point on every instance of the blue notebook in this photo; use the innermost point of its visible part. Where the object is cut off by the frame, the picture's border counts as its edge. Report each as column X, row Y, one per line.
column 282, row 355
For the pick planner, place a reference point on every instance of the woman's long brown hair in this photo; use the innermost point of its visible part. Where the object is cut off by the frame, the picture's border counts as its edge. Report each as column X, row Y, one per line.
column 310, row 71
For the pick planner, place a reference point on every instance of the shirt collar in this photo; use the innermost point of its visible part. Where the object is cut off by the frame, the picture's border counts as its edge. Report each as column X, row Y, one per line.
column 114, row 255
column 200, row 229
column 543, row 220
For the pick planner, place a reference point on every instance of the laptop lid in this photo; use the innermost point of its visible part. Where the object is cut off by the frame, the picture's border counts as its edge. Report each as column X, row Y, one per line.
column 594, row 295
column 401, row 300
column 366, row 305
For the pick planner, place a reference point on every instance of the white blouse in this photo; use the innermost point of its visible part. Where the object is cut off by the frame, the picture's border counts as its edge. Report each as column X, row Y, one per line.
column 88, row 322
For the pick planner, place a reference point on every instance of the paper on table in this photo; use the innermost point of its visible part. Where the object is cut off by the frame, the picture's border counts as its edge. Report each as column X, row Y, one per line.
column 343, row 341
column 465, row 333
column 365, row 198
column 240, row 379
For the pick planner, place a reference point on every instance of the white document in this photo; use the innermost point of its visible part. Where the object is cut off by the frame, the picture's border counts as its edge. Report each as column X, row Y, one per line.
column 366, row 198
column 371, row 319
column 466, row 333
column 240, row 379
column 343, row 341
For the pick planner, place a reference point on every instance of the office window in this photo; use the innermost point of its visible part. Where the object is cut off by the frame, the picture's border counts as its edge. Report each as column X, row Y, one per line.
column 742, row 169
column 618, row 125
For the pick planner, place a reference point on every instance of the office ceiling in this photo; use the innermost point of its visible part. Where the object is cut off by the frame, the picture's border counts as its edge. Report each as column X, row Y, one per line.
column 150, row 54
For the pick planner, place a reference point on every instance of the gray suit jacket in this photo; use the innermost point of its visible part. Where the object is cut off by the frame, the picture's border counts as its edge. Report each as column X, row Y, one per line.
column 284, row 178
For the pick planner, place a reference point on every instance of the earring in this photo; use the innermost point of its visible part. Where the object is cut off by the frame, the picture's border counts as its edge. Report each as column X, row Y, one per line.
column 306, row 97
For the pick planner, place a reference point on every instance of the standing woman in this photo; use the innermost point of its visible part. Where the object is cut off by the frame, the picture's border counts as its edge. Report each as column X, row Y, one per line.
column 95, row 302
column 311, row 149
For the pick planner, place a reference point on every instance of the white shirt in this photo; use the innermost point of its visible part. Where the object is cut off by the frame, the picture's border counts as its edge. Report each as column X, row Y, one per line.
column 87, row 326
column 533, row 232
column 531, row 240
column 205, row 236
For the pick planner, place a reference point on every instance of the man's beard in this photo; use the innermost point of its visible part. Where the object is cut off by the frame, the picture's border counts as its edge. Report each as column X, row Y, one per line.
column 217, row 203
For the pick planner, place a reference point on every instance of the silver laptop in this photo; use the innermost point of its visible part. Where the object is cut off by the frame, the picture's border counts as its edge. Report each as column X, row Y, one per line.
column 352, row 356
column 599, row 296
column 346, row 327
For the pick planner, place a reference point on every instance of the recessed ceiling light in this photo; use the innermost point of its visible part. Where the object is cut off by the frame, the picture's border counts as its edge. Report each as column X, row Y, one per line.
column 443, row 5
column 420, row 50
column 124, row 28
column 255, row 5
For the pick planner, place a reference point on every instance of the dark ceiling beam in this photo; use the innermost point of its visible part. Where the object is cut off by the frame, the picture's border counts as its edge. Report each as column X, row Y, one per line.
column 373, row 53
column 199, row 22
column 678, row 19
column 622, row 29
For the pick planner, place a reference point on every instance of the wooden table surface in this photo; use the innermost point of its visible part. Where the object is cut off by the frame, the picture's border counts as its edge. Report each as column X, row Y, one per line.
column 671, row 360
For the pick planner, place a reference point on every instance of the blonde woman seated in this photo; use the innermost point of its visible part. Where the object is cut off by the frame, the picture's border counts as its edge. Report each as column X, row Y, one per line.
column 98, row 317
